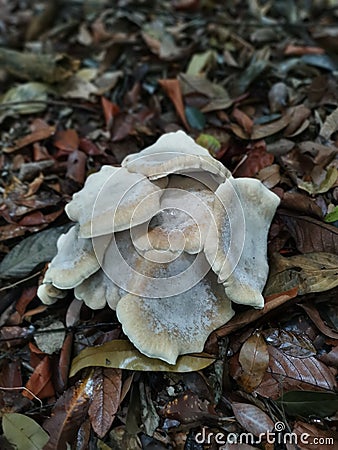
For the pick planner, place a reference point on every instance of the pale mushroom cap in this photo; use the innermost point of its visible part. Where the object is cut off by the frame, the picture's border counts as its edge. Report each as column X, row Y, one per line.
column 97, row 290
column 74, row 262
column 109, row 199
column 174, row 153
column 238, row 253
column 165, row 328
column 184, row 220
column 49, row 294
column 139, row 275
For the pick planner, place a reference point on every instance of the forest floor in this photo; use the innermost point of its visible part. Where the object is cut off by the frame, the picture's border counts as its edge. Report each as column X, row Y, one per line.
column 84, row 84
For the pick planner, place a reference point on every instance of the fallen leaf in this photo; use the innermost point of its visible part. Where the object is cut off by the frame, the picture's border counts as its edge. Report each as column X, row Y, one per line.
column 255, row 160
column 306, row 403
column 254, row 360
column 38, row 135
column 287, row 373
column 187, row 407
column 332, row 216
column 107, row 385
column 262, row 131
column 23, row 432
column 30, row 252
column 201, row 62
column 68, row 414
column 314, row 315
column 252, row 419
column 312, row 272
column 310, row 235
column 330, row 125
column 66, row 140
column 28, row 98
column 173, row 90
column 123, row 355
column 40, row 382
column 292, row 344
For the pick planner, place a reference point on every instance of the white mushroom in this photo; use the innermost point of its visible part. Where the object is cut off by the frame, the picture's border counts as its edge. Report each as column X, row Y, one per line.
column 74, row 262
column 108, row 201
column 151, row 239
column 174, row 153
column 49, row 294
column 98, row 290
column 237, row 252
column 165, row 328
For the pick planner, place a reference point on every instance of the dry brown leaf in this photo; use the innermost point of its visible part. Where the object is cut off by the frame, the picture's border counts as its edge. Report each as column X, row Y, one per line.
column 254, row 359
column 311, row 235
column 107, row 385
column 252, row 419
column 262, row 131
column 287, row 373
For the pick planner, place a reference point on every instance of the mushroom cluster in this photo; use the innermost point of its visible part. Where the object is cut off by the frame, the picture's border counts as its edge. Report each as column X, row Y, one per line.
column 169, row 240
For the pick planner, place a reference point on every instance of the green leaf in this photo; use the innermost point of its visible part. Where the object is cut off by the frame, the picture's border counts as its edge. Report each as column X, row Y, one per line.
column 332, row 216
column 24, row 432
column 121, row 354
column 34, row 250
column 209, row 142
column 306, row 403
column 195, row 118
column 201, row 62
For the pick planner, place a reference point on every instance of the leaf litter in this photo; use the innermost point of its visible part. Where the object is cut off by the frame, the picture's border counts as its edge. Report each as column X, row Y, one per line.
column 99, row 83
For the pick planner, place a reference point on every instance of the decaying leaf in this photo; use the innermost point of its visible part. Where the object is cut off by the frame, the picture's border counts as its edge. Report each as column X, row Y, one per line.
column 30, row 252
column 254, row 360
column 67, row 415
column 311, row 235
column 252, row 419
column 287, row 373
column 106, row 399
column 312, row 272
column 123, row 355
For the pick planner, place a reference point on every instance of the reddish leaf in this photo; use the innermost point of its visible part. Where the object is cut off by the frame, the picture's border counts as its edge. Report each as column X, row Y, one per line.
column 300, row 50
column 43, row 131
column 252, row 419
column 110, row 110
column 76, row 166
column 173, row 90
column 89, row 147
column 254, row 359
column 68, row 414
column 256, row 159
column 25, row 298
column 107, row 385
column 40, row 382
column 66, row 140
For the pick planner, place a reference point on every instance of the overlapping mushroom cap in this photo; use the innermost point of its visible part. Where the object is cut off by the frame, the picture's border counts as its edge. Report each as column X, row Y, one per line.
column 168, row 240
